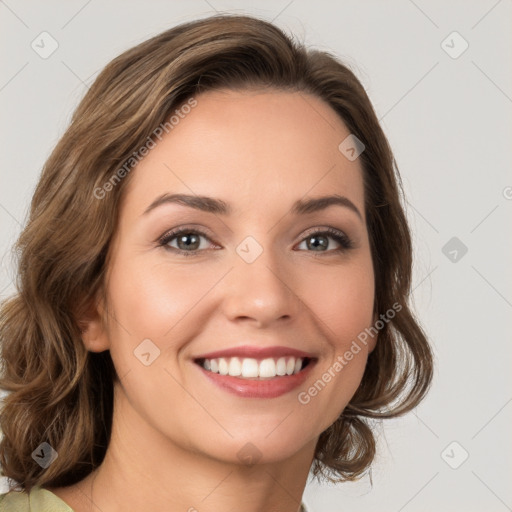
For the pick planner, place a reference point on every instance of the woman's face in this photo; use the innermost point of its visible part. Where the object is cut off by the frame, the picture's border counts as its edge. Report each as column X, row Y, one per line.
column 260, row 275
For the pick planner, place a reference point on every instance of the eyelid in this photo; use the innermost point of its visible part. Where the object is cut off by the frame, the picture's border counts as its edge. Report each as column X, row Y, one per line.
column 185, row 228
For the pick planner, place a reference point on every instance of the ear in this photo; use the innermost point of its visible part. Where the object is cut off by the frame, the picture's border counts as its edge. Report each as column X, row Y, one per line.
column 92, row 327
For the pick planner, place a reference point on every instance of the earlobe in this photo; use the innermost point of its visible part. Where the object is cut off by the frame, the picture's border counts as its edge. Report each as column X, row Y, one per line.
column 92, row 329
column 95, row 338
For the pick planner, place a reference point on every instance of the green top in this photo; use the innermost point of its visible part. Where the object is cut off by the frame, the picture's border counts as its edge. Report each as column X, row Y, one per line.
column 39, row 500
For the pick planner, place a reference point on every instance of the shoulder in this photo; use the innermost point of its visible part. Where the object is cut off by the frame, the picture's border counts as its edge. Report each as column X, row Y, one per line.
column 37, row 500
column 14, row 501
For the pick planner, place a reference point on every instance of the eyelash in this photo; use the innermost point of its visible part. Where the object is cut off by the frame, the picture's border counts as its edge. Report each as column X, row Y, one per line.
column 345, row 242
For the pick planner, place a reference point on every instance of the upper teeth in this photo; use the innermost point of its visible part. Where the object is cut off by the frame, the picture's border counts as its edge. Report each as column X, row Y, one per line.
column 252, row 368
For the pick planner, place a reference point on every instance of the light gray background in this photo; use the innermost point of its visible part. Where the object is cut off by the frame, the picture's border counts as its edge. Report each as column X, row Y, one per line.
column 449, row 123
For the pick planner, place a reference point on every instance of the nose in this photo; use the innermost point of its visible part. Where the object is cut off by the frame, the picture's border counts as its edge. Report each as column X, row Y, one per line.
column 260, row 292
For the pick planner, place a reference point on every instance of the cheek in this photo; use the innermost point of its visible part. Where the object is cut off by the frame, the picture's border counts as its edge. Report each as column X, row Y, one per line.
column 160, row 302
column 343, row 302
column 355, row 301
column 155, row 298
column 342, row 299
column 153, row 302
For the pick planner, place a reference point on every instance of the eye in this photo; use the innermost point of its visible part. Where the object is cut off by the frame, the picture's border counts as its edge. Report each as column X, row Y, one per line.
column 188, row 241
column 318, row 240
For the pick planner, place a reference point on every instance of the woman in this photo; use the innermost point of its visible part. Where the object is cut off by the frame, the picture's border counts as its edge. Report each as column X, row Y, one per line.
column 213, row 284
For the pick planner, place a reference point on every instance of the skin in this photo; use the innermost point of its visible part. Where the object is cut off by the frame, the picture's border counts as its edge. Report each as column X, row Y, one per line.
column 175, row 435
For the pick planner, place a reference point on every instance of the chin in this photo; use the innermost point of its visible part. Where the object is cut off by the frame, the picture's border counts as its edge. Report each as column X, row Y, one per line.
column 260, row 448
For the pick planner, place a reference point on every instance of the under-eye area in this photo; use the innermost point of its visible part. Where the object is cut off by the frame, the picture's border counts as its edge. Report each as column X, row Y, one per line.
column 256, row 369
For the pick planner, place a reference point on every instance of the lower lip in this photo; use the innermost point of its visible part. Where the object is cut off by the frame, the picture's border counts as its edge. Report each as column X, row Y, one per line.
column 252, row 388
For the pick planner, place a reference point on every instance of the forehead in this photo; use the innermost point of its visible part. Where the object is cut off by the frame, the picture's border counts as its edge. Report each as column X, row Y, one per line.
column 250, row 148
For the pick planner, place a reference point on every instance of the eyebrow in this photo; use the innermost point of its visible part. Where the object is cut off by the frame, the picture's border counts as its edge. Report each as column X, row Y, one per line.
column 220, row 207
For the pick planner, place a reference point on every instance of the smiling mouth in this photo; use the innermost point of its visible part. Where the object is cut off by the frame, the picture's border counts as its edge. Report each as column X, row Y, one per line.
column 255, row 369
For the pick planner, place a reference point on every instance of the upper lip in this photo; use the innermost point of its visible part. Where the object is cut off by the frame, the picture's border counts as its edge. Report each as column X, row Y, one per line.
column 256, row 352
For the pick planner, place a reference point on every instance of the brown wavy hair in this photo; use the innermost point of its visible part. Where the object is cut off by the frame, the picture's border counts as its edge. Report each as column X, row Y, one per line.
column 60, row 393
